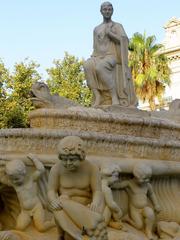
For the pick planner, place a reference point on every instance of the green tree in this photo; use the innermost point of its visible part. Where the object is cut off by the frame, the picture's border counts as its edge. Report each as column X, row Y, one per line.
column 4, row 75
column 18, row 85
column 150, row 69
column 67, row 79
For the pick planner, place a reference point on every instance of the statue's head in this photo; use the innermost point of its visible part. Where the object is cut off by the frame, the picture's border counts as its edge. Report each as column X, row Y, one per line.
column 16, row 171
column 106, row 10
column 142, row 172
column 71, row 152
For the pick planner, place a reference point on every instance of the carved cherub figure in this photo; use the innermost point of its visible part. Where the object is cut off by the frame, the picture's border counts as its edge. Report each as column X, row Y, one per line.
column 27, row 193
column 112, row 212
column 139, row 189
column 75, row 194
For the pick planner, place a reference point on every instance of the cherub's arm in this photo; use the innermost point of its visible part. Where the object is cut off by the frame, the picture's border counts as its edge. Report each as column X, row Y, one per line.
column 39, row 166
column 153, row 198
column 109, row 197
column 121, row 185
column 53, row 187
column 95, row 183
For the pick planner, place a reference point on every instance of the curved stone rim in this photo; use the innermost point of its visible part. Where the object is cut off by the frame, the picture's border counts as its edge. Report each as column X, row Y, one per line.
column 128, row 119
column 56, row 133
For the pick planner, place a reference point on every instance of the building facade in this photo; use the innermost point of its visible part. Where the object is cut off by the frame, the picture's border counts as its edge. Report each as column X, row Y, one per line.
column 172, row 50
column 171, row 44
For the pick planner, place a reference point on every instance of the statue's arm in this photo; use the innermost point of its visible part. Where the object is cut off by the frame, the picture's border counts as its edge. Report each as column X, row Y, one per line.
column 113, row 36
column 153, row 198
column 94, row 44
column 38, row 165
column 117, row 33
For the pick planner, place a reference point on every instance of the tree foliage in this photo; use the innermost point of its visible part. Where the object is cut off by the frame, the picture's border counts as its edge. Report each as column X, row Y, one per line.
column 20, row 82
column 150, row 69
column 4, row 75
column 67, row 79
column 16, row 86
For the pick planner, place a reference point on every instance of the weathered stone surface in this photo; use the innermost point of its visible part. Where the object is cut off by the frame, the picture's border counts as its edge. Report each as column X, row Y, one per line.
column 105, row 122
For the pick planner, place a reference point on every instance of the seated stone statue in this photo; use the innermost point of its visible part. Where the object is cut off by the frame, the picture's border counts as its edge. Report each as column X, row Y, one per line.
column 139, row 189
column 74, row 192
column 107, row 70
column 26, row 189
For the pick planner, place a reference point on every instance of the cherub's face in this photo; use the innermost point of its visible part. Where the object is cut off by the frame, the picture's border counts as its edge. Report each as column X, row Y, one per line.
column 17, row 179
column 142, row 178
column 71, row 161
column 115, row 176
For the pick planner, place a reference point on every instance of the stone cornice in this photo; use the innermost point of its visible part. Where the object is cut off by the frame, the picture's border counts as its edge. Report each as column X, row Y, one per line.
column 42, row 141
column 172, row 50
column 172, row 22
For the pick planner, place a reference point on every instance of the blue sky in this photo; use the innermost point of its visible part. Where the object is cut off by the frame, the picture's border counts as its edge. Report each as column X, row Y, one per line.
column 44, row 29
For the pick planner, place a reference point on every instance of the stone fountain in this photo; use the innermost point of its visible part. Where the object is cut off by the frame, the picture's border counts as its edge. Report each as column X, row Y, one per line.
column 135, row 154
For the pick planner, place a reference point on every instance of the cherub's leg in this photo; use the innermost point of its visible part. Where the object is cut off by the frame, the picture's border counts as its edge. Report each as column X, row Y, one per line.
column 23, row 220
column 117, row 215
column 149, row 219
column 117, row 223
column 61, row 235
column 40, row 222
column 136, row 218
column 67, row 224
column 107, row 215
